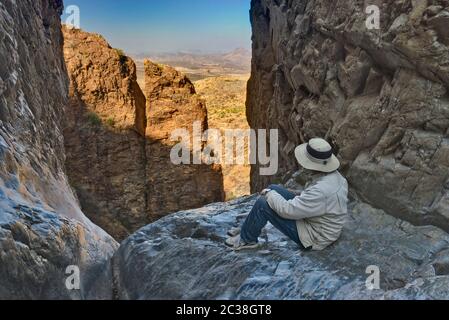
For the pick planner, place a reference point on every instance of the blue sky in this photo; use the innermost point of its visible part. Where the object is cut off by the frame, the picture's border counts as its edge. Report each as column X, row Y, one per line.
column 168, row 25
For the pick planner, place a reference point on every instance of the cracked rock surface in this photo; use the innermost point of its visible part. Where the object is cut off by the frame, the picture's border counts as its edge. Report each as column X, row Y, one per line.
column 380, row 96
column 183, row 256
column 118, row 143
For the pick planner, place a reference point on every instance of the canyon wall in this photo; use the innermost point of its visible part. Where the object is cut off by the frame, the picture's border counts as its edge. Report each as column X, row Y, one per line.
column 104, row 132
column 117, row 143
column 380, row 96
column 42, row 229
column 172, row 103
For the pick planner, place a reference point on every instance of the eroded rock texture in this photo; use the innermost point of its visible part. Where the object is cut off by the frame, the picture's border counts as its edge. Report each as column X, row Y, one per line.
column 104, row 133
column 183, row 256
column 42, row 229
column 381, row 96
column 172, row 104
column 118, row 147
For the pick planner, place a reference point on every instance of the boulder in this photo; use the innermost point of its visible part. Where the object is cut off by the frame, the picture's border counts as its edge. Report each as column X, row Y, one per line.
column 183, row 256
column 104, row 133
column 45, row 256
column 172, row 104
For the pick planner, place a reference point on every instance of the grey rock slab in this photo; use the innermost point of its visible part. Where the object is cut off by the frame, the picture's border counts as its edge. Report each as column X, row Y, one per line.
column 183, row 256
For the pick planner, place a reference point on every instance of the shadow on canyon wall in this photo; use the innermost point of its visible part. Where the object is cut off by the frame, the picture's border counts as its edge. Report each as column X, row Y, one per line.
column 125, row 185
column 117, row 139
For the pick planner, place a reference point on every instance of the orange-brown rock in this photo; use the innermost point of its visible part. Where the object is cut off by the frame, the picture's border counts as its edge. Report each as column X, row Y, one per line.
column 118, row 157
column 172, row 103
column 381, row 96
column 105, row 124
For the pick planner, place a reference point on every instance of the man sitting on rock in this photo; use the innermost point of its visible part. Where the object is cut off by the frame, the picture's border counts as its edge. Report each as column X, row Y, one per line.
column 314, row 219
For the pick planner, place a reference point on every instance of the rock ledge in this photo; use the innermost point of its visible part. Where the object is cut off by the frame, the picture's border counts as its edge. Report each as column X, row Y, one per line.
column 182, row 256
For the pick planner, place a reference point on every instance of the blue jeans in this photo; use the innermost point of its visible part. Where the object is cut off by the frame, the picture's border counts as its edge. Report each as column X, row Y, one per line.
column 262, row 213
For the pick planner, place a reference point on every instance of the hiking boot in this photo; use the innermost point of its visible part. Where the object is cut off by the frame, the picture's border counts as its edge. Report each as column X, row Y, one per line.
column 234, row 232
column 237, row 244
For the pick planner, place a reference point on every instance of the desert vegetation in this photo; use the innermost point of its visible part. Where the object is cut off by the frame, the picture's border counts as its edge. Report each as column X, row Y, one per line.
column 225, row 99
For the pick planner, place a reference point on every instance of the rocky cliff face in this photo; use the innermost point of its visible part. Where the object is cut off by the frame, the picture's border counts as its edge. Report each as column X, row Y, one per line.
column 104, row 133
column 118, row 148
column 172, row 103
column 183, row 256
column 42, row 229
column 381, row 96
column 225, row 98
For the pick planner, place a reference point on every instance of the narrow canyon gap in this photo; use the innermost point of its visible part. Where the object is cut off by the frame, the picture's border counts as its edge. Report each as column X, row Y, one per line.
column 379, row 96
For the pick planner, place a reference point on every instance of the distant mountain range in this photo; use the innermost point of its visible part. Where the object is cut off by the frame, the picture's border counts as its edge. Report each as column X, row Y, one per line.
column 198, row 64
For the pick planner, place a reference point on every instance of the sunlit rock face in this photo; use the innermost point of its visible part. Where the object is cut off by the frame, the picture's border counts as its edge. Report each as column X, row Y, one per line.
column 380, row 96
column 42, row 229
column 118, row 142
column 104, row 130
column 173, row 105
column 44, row 255
column 183, row 256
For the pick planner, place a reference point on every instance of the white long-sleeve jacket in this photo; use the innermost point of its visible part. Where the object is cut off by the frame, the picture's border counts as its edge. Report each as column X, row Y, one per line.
column 320, row 211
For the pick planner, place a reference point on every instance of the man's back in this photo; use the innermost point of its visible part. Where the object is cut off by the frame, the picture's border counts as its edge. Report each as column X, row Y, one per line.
column 314, row 219
column 321, row 231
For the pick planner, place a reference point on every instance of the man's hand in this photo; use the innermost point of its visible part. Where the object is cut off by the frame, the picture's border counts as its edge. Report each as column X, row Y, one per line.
column 264, row 192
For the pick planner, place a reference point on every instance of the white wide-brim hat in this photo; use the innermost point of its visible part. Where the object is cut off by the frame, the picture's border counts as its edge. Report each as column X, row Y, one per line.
column 317, row 155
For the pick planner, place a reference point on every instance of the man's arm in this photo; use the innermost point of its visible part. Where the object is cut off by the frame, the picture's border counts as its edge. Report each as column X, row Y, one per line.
column 295, row 191
column 311, row 203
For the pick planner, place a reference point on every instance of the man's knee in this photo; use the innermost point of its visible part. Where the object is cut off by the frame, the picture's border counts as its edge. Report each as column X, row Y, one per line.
column 262, row 202
column 263, row 205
